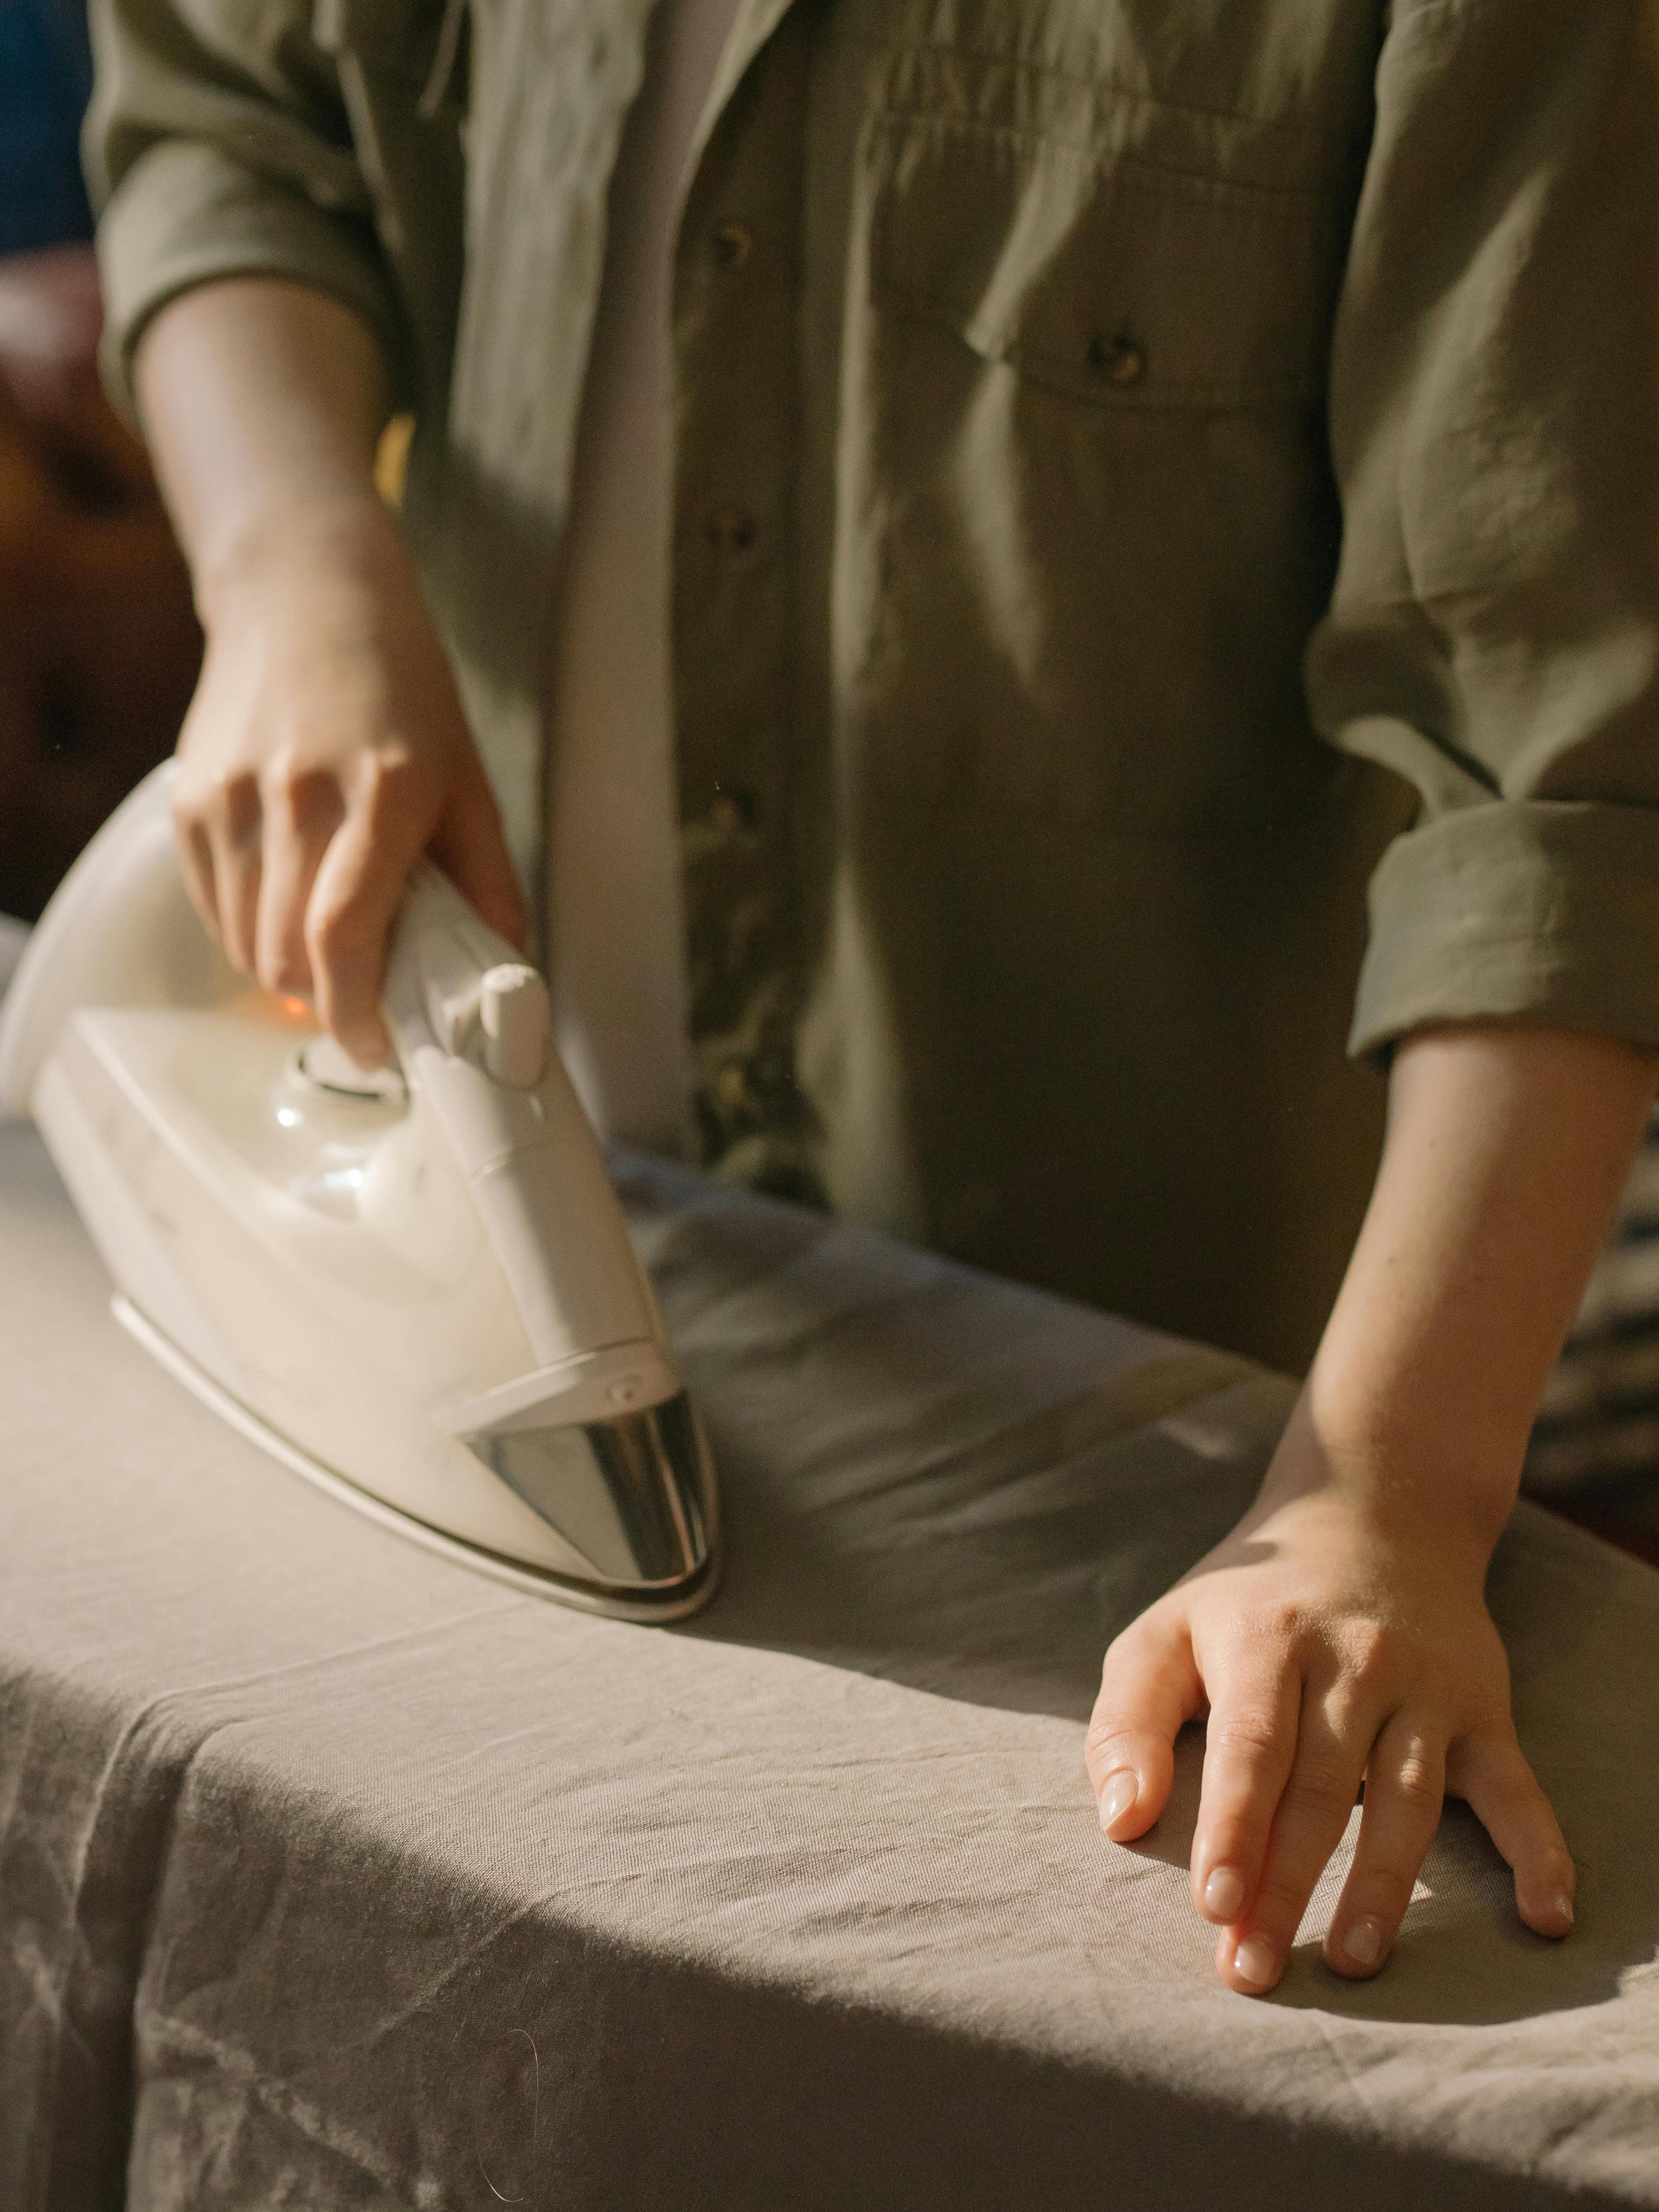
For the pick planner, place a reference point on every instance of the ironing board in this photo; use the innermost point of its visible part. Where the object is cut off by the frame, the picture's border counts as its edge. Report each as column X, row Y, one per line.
column 333, row 1875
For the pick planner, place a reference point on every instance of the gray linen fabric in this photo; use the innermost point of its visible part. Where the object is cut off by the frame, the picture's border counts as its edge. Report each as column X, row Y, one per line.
column 332, row 1875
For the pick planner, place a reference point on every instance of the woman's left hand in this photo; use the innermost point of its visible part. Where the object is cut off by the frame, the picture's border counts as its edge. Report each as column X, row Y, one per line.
column 1330, row 1644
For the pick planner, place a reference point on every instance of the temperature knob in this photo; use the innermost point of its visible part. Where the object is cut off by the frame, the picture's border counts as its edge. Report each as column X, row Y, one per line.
column 512, row 1009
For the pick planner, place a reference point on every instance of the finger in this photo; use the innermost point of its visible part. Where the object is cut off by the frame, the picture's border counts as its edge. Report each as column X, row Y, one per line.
column 1247, row 1754
column 1489, row 1768
column 303, row 808
column 1314, row 1810
column 231, row 817
column 1405, row 1787
column 355, row 893
column 196, row 863
column 1149, row 1689
column 471, row 847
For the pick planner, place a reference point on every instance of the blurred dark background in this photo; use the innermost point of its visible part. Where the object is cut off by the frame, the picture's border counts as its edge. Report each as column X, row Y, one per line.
column 99, row 646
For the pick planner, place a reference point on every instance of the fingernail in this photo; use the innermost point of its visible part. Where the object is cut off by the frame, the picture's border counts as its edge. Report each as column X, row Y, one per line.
column 1223, row 1894
column 1117, row 1798
column 1363, row 1943
column 1563, row 1908
column 1255, row 1962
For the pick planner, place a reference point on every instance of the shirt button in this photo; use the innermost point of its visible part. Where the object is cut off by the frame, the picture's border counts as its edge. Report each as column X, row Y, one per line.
column 732, row 529
column 733, row 243
column 733, row 1089
column 732, row 813
column 1118, row 358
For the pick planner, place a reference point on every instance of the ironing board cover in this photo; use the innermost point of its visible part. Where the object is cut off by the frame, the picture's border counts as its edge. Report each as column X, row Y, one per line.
column 334, row 1875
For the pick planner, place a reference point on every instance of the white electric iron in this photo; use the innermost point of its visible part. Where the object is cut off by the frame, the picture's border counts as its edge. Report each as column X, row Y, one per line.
column 416, row 1288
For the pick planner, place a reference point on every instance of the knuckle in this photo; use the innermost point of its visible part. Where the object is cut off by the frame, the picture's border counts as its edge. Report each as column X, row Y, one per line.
column 1246, row 1734
column 1345, row 1706
column 1367, row 1648
column 1103, row 1727
column 1104, row 1739
column 1276, row 1627
column 1418, row 1780
column 1319, row 1786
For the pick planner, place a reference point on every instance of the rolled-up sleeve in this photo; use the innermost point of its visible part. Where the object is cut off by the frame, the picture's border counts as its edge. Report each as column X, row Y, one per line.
column 1494, row 631
column 218, row 144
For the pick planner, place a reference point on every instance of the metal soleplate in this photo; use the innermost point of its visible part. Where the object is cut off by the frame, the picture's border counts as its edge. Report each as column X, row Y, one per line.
column 585, row 1597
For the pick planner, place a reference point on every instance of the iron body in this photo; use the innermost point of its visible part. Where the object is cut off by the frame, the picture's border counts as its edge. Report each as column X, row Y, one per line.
column 415, row 1288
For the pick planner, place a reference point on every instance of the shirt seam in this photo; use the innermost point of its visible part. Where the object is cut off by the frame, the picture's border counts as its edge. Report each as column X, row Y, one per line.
column 1051, row 141
column 1312, row 134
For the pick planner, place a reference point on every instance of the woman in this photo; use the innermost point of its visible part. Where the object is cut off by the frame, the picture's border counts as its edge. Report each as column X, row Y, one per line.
column 937, row 492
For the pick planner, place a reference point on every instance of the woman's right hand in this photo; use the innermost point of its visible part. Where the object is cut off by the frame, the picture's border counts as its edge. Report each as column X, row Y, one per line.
column 324, row 751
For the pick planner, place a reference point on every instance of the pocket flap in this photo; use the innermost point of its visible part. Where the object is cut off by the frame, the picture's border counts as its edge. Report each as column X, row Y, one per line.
column 1106, row 277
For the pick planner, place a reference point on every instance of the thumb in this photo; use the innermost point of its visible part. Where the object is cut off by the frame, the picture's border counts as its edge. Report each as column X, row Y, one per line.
column 469, row 846
column 1150, row 1687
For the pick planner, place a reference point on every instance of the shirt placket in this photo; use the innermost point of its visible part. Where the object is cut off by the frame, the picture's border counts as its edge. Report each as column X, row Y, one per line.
column 737, row 371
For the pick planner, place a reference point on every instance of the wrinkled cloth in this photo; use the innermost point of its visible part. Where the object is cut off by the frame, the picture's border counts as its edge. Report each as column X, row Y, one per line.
column 1052, row 379
column 332, row 1874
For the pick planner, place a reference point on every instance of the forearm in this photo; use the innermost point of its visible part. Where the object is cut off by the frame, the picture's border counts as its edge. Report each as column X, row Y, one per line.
column 1507, row 1149
column 262, row 401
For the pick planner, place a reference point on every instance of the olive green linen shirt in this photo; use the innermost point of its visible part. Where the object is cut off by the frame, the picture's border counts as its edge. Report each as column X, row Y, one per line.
column 1146, row 470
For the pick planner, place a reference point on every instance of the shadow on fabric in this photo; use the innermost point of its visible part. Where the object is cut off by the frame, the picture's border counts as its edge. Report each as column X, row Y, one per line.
column 997, row 1482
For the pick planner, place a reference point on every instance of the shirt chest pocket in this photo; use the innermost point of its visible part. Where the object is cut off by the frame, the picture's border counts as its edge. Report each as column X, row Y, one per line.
column 1106, row 277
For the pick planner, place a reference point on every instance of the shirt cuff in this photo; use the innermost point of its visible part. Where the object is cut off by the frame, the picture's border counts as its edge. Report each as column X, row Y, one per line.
column 186, row 214
column 1535, row 911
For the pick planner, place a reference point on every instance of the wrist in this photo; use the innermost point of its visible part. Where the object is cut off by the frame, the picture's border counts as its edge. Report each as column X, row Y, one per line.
column 1413, row 1482
column 341, row 537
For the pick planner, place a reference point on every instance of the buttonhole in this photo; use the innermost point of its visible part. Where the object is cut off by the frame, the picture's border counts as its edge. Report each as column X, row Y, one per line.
column 733, row 243
column 729, row 527
column 1117, row 358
